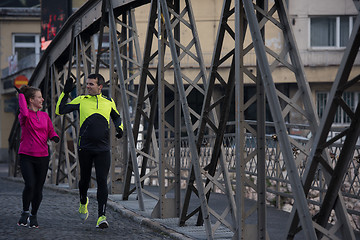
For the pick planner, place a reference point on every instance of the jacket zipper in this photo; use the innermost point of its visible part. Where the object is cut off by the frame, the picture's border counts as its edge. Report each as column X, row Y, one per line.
column 37, row 117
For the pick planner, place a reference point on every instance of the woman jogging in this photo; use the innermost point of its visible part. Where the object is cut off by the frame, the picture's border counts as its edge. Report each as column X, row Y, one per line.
column 36, row 129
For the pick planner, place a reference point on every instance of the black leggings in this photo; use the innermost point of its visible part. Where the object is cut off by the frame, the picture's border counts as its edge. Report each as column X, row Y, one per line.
column 33, row 170
column 101, row 161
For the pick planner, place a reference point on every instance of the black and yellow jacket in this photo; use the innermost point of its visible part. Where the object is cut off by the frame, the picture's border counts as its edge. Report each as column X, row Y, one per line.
column 95, row 112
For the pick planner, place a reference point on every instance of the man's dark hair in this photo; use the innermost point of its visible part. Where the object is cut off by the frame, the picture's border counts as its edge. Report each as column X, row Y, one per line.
column 99, row 77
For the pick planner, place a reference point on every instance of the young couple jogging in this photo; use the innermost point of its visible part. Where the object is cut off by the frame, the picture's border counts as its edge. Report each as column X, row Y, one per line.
column 95, row 111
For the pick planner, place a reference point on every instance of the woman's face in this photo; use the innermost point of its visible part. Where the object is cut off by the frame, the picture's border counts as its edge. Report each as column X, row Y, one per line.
column 37, row 100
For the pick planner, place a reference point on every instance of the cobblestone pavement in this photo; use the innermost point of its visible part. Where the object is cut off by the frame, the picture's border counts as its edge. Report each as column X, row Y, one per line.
column 58, row 218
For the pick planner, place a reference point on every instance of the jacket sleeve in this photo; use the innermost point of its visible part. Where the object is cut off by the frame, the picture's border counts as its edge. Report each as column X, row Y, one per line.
column 63, row 107
column 23, row 108
column 115, row 116
column 51, row 131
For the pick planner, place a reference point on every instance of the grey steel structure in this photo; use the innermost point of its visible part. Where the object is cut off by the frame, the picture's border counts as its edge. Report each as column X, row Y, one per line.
column 164, row 92
column 334, row 175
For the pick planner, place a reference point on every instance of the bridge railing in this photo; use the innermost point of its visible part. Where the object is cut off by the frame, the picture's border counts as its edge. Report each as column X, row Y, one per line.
column 279, row 192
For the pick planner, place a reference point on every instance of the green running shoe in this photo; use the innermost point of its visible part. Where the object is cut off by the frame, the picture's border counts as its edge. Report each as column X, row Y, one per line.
column 102, row 223
column 83, row 211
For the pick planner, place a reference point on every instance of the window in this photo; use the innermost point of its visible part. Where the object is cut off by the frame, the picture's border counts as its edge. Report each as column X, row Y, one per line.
column 321, row 99
column 25, row 45
column 330, row 31
column 341, row 118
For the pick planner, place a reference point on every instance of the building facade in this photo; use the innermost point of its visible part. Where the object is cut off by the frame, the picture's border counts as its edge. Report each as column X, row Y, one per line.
column 322, row 29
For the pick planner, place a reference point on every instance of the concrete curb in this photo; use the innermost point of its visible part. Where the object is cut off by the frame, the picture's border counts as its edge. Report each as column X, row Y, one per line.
column 120, row 209
column 145, row 221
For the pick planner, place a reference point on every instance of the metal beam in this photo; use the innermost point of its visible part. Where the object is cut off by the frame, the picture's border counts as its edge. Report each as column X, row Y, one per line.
column 209, row 118
column 145, row 110
column 86, row 20
column 300, row 200
column 341, row 83
column 185, row 109
column 124, row 99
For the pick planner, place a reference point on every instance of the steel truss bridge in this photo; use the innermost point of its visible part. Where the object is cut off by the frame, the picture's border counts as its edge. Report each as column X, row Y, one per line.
column 153, row 150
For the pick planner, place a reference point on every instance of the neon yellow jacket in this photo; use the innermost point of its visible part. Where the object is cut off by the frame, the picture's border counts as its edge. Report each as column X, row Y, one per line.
column 95, row 113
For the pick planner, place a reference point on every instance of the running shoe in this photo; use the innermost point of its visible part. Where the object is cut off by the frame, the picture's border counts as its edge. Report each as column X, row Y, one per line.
column 102, row 223
column 23, row 221
column 83, row 211
column 33, row 221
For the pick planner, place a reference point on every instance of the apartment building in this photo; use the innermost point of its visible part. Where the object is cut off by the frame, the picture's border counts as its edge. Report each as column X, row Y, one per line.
column 322, row 30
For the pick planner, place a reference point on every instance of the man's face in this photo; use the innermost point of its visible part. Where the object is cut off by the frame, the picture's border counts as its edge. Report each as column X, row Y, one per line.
column 92, row 87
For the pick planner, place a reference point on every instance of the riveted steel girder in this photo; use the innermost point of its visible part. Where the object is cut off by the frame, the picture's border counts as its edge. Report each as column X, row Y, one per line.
column 209, row 123
column 334, row 175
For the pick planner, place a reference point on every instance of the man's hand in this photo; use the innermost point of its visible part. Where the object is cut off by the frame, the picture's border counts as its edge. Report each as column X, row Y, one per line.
column 119, row 133
column 69, row 86
column 56, row 139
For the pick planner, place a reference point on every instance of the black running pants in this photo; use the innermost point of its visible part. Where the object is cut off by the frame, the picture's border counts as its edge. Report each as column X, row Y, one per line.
column 101, row 161
column 33, row 170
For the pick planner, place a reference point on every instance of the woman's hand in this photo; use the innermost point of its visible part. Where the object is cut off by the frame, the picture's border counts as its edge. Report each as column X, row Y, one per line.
column 55, row 139
column 18, row 90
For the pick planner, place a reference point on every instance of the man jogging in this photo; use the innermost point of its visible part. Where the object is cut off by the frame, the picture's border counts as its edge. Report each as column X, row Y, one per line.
column 95, row 111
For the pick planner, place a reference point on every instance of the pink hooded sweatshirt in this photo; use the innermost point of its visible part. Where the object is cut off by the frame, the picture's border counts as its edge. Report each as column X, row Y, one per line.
column 36, row 129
